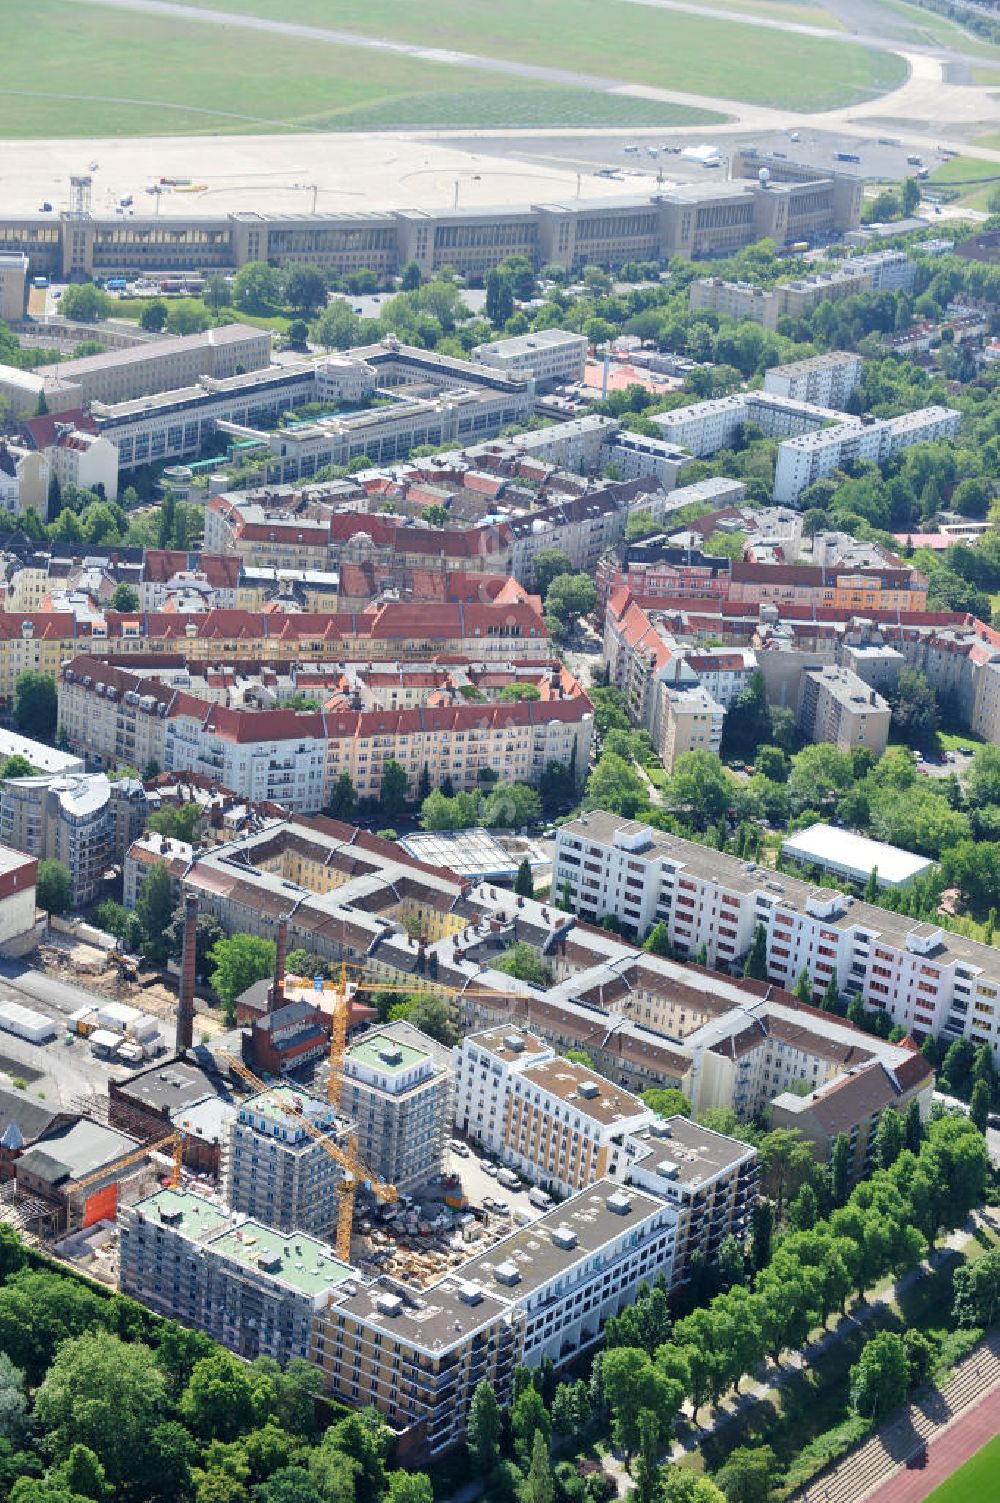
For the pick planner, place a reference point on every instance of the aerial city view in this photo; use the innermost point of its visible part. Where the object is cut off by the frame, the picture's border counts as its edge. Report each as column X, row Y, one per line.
column 500, row 751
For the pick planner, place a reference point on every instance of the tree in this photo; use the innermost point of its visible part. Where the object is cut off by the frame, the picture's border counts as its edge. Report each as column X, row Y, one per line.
column 337, row 326
column 216, row 294
column 484, row 1427
column 298, row 334
column 499, row 297
column 526, row 963
column 840, row 1169
column 238, row 962
column 915, row 711
column 633, row 1383
column 979, row 1105
column 187, row 318
column 523, row 883
column 16, row 766
column 13, row 1401
column 831, row 994
column 85, row 303
column 804, row 1209
column 256, row 288
column 700, row 789
column 787, row 1162
column 54, row 890
column 755, row 965
column 771, row 763
column 430, row 1015
column 83, row 1474
column 154, row 909
column 35, row 704
column 679, row 1485
column 761, row 1231
column 646, row 1466
column 748, row 723
column 880, row 1379
column 803, row 986
column 747, row 1474
column 124, row 599
column 977, row 1292
column 305, row 289
column 511, row 806
column 667, row 1101
column 913, row 1127
column 411, row 277
column 909, row 195
column 529, row 1417
column 548, row 564
column 657, row 941
column 223, row 1397
column 888, row 1139
column 393, row 792
column 570, row 596
column 153, row 316
column 538, row 1485
column 614, row 785
column 343, row 799
column 106, row 1394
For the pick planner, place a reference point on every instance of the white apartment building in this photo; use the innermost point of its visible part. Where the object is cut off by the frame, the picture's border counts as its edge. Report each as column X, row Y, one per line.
column 555, row 1121
column 928, row 980
column 810, row 456
column 706, row 427
column 551, row 357
column 824, row 380
column 86, row 460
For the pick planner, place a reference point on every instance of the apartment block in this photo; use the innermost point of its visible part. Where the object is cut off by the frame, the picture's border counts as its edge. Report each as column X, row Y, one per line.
column 555, row 1121
column 63, row 817
column 296, row 757
column 635, row 456
column 927, row 980
column 838, row 707
column 13, row 286
column 397, row 1090
column 274, row 1170
column 810, row 456
column 710, row 1180
column 255, row 1290
column 824, row 380
column 551, row 357
column 706, row 427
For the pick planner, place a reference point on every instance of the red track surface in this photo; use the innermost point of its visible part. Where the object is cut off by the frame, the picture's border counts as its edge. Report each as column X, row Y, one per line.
column 945, row 1454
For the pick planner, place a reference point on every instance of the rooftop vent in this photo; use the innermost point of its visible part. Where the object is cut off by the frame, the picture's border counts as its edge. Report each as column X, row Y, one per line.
column 389, row 1304
column 270, row 1262
column 660, row 1130
column 618, row 1204
column 667, row 1169
column 470, row 1294
column 390, row 1054
column 563, row 1237
column 588, row 1089
column 507, row 1273
column 514, row 1042
column 172, row 1217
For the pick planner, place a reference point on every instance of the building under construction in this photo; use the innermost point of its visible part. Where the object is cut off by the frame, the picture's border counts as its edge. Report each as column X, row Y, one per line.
column 397, row 1089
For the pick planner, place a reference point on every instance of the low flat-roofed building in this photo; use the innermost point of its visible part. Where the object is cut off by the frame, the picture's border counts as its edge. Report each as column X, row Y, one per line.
column 43, row 758
column 476, row 853
column 549, row 356
column 77, row 1169
column 145, row 1103
column 854, row 856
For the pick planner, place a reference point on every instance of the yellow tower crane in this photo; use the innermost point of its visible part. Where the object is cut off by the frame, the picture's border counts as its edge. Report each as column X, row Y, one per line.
column 346, row 1155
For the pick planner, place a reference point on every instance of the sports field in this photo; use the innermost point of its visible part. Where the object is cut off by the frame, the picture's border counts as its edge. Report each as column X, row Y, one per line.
column 976, row 1481
column 75, row 70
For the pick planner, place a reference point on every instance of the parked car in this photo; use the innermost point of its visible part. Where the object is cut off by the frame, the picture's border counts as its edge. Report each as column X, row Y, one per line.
column 490, row 1169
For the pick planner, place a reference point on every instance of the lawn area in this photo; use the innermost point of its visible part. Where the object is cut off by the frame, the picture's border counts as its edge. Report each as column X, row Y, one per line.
column 797, row 12
column 952, row 740
column 630, row 42
column 78, row 70
column 133, row 307
column 960, row 171
column 975, row 1481
column 916, row 24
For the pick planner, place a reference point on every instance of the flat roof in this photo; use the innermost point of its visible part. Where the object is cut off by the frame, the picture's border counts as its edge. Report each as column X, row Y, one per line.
column 509, row 1043
column 284, row 1104
column 469, row 853
column 374, row 1048
column 170, row 1084
column 828, row 845
column 194, row 1215
column 696, row 1153
column 45, row 758
column 292, row 1258
column 588, row 1093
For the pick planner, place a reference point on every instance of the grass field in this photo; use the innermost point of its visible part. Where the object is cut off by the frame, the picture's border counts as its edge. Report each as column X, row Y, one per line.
column 75, row 70
column 894, row 18
column 795, row 11
column 960, row 171
column 611, row 38
column 976, row 1481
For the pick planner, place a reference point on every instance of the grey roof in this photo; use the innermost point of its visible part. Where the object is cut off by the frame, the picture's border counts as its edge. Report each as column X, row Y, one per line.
column 78, row 1148
column 31, row 1117
column 171, row 1084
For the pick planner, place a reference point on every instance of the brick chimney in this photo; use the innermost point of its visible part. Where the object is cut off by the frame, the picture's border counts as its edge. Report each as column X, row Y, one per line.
column 184, row 1037
column 276, row 995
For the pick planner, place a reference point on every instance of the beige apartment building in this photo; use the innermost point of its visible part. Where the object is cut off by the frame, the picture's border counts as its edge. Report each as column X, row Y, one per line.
column 838, row 707
column 13, row 286
column 555, row 1121
column 62, row 817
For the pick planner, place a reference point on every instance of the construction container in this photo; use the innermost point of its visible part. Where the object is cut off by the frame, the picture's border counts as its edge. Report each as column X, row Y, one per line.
column 25, row 1023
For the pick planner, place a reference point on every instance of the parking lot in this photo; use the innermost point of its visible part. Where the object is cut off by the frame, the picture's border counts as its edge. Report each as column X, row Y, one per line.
column 479, row 1186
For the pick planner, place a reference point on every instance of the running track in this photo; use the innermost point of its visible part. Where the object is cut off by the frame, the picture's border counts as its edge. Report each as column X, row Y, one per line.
column 946, row 1452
